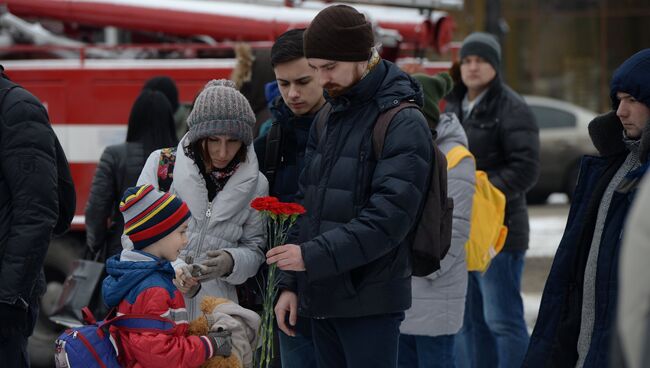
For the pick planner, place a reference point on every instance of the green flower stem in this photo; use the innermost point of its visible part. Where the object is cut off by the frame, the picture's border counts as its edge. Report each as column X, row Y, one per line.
column 277, row 229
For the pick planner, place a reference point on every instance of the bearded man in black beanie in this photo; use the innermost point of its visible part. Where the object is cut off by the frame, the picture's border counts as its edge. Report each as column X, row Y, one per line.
column 348, row 266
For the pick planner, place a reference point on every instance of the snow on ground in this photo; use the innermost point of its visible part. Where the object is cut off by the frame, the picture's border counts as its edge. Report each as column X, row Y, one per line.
column 531, row 308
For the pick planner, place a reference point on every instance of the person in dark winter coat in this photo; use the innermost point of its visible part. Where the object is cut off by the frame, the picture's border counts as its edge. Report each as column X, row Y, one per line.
column 577, row 314
column 29, row 209
column 429, row 330
column 151, row 126
column 293, row 112
column 349, row 268
column 504, row 138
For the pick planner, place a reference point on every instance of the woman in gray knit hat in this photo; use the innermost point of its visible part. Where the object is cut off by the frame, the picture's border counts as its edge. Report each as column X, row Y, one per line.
column 214, row 170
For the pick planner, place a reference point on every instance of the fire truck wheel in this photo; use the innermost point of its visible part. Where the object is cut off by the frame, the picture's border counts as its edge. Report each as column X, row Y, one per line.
column 58, row 263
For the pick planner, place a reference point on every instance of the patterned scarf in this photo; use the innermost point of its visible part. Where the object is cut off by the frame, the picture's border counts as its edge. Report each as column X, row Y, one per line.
column 217, row 178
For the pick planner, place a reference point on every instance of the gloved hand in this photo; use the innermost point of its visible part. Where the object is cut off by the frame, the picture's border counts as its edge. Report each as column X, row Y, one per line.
column 185, row 282
column 218, row 263
column 13, row 320
column 221, row 342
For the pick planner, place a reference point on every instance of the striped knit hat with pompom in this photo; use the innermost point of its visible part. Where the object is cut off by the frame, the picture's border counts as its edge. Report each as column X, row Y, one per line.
column 150, row 215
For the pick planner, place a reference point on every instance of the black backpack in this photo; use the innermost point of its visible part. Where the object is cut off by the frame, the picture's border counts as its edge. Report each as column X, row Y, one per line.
column 431, row 235
column 272, row 152
column 65, row 186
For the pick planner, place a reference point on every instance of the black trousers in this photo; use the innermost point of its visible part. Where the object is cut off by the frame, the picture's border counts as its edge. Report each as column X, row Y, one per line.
column 13, row 349
column 370, row 341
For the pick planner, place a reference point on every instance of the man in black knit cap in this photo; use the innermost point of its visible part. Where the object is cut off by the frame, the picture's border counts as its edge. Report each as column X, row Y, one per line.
column 349, row 267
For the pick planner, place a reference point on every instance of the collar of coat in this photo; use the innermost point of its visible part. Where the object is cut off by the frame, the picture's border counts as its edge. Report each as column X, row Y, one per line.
column 384, row 85
column 487, row 103
column 235, row 196
column 606, row 132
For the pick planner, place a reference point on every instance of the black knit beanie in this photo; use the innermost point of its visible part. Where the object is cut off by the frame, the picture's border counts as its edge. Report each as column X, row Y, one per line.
column 339, row 33
column 484, row 45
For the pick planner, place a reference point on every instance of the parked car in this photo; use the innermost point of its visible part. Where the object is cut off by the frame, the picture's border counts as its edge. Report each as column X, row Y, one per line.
column 564, row 139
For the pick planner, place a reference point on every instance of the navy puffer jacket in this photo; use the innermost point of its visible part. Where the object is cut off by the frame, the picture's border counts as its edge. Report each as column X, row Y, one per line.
column 29, row 202
column 359, row 210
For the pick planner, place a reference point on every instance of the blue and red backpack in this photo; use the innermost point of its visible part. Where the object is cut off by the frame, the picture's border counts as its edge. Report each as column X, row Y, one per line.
column 91, row 345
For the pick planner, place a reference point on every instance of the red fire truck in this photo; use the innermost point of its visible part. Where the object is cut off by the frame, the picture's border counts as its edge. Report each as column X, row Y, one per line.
column 88, row 89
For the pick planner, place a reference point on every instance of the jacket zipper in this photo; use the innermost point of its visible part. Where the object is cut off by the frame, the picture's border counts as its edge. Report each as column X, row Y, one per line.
column 204, row 227
column 360, row 183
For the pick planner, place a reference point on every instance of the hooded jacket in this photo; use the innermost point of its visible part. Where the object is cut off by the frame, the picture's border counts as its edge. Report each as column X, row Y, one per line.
column 227, row 223
column 353, row 236
column 140, row 283
column 439, row 299
column 504, row 138
column 295, row 131
column 555, row 337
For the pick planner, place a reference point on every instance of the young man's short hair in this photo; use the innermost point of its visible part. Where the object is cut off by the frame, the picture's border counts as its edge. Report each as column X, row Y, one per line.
column 288, row 47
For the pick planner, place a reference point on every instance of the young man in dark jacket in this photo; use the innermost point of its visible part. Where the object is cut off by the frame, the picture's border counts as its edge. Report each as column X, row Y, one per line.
column 351, row 258
column 504, row 139
column 282, row 162
column 29, row 210
column 578, row 310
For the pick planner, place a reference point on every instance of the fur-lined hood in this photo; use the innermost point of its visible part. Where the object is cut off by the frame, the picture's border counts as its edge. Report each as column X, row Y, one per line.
column 606, row 132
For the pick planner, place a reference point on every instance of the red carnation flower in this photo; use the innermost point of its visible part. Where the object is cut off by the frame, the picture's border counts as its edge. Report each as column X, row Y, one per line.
column 264, row 203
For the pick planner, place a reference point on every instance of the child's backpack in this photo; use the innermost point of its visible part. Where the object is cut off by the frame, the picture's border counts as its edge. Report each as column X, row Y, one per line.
column 431, row 236
column 487, row 233
column 91, row 345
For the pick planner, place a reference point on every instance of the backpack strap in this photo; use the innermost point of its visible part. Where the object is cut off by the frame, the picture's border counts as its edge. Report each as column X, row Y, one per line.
column 321, row 120
column 140, row 323
column 381, row 126
column 456, row 155
column 272, row 153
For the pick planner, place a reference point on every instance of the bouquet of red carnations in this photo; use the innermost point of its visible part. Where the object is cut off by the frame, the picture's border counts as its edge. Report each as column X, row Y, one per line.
column 279, row 218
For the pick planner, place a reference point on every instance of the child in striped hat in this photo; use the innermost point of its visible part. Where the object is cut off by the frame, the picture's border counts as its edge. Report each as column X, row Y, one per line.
column 141, row 281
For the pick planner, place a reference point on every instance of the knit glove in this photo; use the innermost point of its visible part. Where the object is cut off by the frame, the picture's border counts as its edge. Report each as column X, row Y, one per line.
column 13, row 320
column 218, row 264
column 221, row 342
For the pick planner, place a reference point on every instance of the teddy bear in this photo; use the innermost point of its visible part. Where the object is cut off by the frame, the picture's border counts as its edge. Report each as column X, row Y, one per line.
column 220, row 313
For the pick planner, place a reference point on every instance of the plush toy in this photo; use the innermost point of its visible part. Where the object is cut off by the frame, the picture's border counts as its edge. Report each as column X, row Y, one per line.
column 220, row 313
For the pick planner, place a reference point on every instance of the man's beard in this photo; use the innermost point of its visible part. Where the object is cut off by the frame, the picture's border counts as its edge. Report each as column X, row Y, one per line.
column 335, row 90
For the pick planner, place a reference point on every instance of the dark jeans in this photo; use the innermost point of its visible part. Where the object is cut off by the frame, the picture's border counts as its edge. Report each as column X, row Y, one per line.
column 296, row 351
column 13, row 349
column 357, row 342
column 494, row 332
column 426, row 351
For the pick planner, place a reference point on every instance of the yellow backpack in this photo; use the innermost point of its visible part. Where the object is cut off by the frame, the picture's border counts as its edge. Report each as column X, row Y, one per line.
column 487, row 231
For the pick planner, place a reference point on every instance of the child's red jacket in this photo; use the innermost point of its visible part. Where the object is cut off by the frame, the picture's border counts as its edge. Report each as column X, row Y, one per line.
column 140, row 283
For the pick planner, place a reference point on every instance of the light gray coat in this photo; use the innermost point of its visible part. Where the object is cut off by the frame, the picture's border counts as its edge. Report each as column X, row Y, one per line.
column 230, row 224
column 634, row 296
column 439, row 299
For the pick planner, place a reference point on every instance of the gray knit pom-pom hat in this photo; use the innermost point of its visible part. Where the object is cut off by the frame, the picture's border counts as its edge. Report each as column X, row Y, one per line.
column 221, row 109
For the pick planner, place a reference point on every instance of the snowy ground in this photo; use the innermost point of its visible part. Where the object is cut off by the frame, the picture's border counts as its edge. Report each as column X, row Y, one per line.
column 546, row 227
